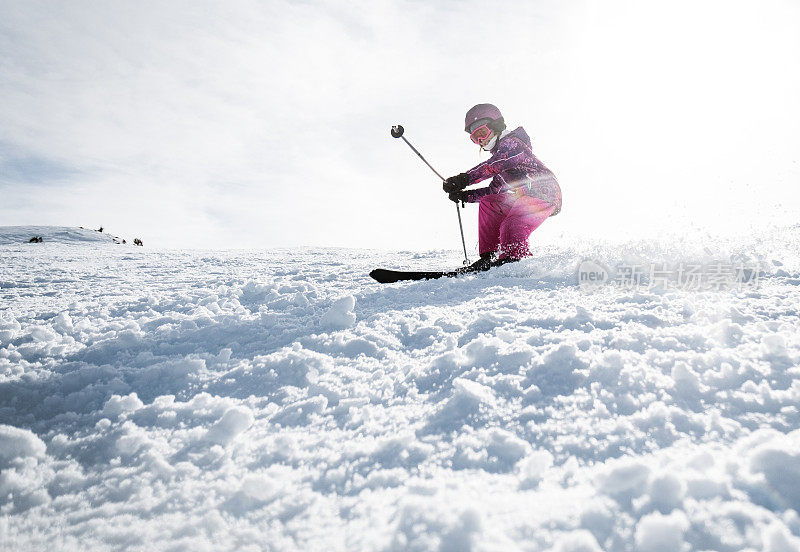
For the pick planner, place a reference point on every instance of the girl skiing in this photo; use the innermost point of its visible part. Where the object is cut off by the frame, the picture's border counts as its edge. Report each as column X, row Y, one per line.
column 522, row 193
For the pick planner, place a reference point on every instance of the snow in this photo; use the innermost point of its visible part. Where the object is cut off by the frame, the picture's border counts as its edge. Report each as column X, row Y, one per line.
column 340, row 316
column 13, row 235
column 659, row 533
column 18, row 443
column 577, row 541
column 281, row 400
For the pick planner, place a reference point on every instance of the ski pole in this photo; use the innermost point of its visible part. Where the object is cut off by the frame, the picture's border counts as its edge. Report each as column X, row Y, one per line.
column 397, row 132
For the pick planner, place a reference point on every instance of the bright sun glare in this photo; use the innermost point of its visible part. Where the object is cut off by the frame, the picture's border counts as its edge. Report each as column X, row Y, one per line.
column 685, row 104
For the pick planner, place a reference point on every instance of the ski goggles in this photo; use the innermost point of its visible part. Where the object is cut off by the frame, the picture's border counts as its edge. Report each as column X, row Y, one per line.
column 480, row 131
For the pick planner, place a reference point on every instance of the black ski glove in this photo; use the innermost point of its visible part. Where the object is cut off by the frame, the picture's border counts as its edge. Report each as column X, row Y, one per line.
column 458, row 196
column 456, row 183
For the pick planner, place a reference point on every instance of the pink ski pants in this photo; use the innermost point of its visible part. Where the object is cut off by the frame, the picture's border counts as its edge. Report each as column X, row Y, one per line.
column 505, row 221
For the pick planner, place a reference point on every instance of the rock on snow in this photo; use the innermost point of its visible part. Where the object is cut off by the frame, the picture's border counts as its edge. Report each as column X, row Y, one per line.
column 231, row 400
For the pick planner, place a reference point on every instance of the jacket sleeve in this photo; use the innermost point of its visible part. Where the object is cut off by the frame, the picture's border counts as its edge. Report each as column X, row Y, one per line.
column 509, row 154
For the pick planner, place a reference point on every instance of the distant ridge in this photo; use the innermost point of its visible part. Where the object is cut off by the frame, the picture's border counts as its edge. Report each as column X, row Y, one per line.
column 16, row 235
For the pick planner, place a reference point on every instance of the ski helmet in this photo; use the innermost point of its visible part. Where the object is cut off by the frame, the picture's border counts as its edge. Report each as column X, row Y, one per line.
column 485, row 111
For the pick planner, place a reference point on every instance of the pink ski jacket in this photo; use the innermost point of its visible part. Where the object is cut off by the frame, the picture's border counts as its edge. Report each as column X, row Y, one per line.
column 515, row 169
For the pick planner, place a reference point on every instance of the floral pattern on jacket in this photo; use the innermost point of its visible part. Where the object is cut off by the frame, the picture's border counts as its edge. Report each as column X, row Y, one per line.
column 514, row 168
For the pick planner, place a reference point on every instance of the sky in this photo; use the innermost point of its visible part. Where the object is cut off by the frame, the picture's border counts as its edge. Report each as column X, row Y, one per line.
column 266, row 124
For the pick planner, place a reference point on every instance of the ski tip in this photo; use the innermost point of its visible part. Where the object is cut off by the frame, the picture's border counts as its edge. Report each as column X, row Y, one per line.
column 382, row 275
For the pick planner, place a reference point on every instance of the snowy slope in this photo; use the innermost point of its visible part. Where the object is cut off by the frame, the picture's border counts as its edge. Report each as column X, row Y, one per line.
column 251, row 400
column 12, row 235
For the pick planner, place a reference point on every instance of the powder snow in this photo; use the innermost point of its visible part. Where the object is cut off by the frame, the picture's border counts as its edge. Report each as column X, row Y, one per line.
column 282, row 400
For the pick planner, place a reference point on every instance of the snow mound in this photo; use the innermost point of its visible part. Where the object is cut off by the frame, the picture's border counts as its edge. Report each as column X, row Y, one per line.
column 233, row 423
column 577, row 541
column 19, row 443
column 659, row 533
column 340, row 315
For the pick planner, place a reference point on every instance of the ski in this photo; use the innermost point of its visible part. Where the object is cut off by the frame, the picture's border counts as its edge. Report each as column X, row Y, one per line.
column 385, row 276
column 390, row 276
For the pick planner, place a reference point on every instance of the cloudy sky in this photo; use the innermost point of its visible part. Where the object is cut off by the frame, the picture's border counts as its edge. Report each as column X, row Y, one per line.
column 262, row 124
